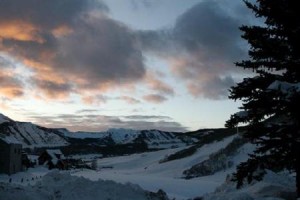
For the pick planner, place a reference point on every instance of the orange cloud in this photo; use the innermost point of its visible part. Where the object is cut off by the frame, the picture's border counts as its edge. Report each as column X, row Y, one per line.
column 10, row 86
column 62, row 31
column 20, row 30
column 94, row 99
column 158, row 85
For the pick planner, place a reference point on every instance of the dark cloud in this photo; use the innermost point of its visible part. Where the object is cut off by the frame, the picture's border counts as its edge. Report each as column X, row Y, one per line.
column 201, row 47
column 207, row 27
column 54, row 90
column 73, row 41
column 104, row 122
column 47, row 14
column 101, row 51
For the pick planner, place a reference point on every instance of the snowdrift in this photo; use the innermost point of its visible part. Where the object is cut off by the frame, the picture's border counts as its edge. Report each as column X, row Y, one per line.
column 56, row 185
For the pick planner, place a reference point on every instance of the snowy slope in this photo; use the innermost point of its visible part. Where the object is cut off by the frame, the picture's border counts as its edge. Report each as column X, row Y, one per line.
column 30, row 135
column 146, row 170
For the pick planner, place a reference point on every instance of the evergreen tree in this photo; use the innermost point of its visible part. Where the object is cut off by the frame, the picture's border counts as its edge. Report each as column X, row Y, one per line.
column 270, row 98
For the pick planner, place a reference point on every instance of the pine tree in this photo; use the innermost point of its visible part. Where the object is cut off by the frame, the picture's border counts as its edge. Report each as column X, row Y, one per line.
column 270, row 98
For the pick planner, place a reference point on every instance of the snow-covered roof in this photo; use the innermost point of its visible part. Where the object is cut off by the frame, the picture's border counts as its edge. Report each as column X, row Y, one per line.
column 53, row 153
column 9, row 139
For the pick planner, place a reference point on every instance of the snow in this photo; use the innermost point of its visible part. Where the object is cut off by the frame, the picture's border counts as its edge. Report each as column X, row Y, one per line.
column 57, row 185
column 145, row 170
column 55, row 153
column 29, row 133
column 118, row 135
column 284, row 87
column 273, row 187
column 9, row 139
column 127, row 177
column 86, row 157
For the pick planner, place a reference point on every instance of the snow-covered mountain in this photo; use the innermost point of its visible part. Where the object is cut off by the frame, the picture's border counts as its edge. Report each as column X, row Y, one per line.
column 31, row 135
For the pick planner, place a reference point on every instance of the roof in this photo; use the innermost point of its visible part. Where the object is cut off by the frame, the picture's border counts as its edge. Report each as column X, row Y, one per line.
column 9, row 139
column 54, row 152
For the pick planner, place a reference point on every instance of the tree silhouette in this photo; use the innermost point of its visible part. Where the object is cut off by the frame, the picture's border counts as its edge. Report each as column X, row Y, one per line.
column 270, row 98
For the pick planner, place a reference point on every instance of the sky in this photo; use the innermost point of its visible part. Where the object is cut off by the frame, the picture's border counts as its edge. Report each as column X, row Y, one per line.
column 140, row 64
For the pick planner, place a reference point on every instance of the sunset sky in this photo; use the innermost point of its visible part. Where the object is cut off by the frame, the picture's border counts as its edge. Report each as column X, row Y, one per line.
column 140, row 64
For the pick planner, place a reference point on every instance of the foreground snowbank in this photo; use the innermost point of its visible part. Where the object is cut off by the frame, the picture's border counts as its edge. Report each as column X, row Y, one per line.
column 272, row 187
column 56, row 185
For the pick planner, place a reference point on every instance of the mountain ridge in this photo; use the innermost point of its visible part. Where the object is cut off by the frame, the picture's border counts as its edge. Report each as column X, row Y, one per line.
column 32, row 136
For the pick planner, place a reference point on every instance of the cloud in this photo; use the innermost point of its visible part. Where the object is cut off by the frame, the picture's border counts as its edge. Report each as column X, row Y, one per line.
column 46, row 14
column 201, row 47
column 11, row 87
column 86, row 111
column 154, row 98
column 54, row 90
column 147, row 117
column 108, row 53
column 94, row 99
column 92, row 122
column 214, row 88
column 158, row 86
column 207, row 27
column 130, row 100
column 70, row 46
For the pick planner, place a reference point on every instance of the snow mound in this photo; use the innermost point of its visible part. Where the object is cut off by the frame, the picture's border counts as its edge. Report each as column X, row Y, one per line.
column 273, row 187
column 56, row 185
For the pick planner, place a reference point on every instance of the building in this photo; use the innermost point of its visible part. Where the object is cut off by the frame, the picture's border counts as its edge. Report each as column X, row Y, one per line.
column 10, row 155
column 53, row 158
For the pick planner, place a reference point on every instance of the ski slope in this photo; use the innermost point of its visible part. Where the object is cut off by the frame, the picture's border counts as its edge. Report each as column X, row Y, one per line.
column 145, row 170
